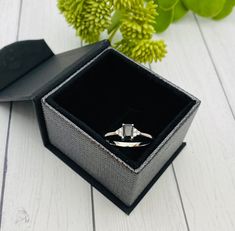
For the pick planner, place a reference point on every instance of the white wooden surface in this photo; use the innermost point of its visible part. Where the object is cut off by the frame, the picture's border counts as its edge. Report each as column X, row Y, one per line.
column 9, row 18
column 196, row 193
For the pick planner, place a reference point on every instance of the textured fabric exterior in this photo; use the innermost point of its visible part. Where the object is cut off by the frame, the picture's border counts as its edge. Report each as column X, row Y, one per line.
column 161, row 157
column 99, row 162
column 90, row 156
column 117, row 176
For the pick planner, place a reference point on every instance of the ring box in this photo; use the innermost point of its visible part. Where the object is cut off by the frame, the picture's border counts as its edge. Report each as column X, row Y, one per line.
column 82, row 94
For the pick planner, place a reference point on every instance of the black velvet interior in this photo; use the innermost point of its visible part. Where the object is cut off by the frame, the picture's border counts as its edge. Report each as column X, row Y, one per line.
column 113, row 90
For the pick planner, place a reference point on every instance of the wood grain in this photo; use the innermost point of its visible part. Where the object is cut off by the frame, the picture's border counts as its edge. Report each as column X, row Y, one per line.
column 41, row 19
column 159, row 210
column 8, row 33
column 9, row 17
column 4, row 119
column 205, row 170
column 219, row 38
column 41, row 192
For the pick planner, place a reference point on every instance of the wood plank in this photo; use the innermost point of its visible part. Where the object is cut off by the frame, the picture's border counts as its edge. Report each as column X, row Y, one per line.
column 41, row 19
column 159, row 210
column 206, row 169
column 8, row 34
column 9, row 21
column 4, row 119
column 220, row 39
column 41, row 192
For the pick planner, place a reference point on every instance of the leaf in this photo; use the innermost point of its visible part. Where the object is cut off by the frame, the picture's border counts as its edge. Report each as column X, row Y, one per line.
column 115, row 21
column 179, row 11
column 167, row 4
column 228, row 8
column 205, row 8
column 163, row 20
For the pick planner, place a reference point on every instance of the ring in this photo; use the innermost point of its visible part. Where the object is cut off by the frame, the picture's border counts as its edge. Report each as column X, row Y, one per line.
column 128, row 133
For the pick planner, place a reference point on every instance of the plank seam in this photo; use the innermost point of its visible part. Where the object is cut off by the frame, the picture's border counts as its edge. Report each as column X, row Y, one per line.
column 19, row 20
column 214, row 66
column 93, row 209
column 178, row 189
column 8, row 132
column 181, row 199
column 5, row 165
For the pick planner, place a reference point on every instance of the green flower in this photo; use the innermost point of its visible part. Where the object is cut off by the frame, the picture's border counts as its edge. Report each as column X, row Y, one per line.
column 133, row 30
column 71, row 10
column 135, row 19
column 126, row 4
column 139, row 22
column 94, row 19
column 143, row 51
column 125, row 46
column 149, row 51
column 89, row 17
column 144, row 13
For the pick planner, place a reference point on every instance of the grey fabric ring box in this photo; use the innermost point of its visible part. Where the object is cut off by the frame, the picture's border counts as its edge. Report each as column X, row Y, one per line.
column 82, row 94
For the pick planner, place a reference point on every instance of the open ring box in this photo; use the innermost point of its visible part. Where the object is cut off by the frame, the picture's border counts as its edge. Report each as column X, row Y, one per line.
column 82, row 94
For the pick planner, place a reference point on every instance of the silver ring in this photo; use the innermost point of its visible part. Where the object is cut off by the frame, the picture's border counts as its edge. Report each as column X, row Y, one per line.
column 128, row 133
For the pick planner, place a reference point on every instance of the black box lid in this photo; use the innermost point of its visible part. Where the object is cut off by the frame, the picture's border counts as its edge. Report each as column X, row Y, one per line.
column 27, row 67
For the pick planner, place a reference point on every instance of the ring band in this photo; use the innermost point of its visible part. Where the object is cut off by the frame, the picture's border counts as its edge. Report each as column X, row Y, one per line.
column 128, row 133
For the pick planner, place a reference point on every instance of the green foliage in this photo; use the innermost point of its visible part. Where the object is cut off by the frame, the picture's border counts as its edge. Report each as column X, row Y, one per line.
column 228, row 7
column 179, row 11
column 216, row 9
column 167, row 4
column 135, row 19
column 206, row 8
column 164, row 19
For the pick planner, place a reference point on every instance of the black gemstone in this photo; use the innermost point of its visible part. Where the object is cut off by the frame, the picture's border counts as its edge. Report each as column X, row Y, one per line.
column 128, row 130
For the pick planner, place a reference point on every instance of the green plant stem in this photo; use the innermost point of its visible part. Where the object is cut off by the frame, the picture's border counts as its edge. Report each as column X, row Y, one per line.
column 112, row 34
column 115, row 23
